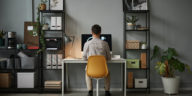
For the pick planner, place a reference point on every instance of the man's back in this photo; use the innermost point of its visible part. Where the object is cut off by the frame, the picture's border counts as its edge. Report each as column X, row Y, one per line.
column 96, row 46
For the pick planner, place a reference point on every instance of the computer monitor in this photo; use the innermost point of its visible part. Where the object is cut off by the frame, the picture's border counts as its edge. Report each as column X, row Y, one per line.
column 87, row 37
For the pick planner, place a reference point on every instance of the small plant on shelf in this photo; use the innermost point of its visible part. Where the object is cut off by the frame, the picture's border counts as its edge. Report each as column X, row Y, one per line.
column 167, row 65
column 42, row 6
column 131, row 22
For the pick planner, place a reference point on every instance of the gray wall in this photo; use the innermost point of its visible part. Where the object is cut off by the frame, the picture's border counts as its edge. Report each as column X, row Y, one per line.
column 13, row 15
column 170, row 27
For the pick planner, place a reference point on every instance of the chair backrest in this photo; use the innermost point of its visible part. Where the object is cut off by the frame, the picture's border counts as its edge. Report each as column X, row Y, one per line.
column 97, row 66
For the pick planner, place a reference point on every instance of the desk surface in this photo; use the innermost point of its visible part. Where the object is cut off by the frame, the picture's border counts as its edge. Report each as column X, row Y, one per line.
column 121, row 60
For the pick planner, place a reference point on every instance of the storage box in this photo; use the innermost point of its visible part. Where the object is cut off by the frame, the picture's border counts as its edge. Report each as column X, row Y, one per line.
column 28, row 63
column 132, row 44
column 5, row 80
column 3, row 64
column 52, row 84
column 132, row 63
column 140, row 83
column 25, row 80
column 143, row 60
column 130, row 80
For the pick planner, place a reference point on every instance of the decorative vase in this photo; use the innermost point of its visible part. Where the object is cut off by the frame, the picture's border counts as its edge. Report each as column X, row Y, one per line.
column 45, row 27
column 143, row 46
column 171, row 84
column 42, row 7
column 130, row 26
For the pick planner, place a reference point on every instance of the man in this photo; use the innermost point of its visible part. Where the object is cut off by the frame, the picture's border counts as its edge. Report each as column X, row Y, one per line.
column 96, row 46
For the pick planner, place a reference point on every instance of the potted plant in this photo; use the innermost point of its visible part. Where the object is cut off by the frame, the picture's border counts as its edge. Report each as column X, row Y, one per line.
column 131, row 22
column 2, row 33
column 167, row 65
column 43, row 5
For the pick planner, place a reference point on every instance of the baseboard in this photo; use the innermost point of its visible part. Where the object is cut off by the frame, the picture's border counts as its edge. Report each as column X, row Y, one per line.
column 101, row 89
column 120, row 89
column 161, row 89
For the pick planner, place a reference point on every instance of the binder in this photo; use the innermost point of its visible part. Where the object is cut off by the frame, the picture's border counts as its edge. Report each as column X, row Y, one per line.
column 143, row 60
column 130, row 79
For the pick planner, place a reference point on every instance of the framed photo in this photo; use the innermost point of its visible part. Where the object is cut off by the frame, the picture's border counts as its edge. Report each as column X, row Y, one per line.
column 136, row 4
column 56, row 4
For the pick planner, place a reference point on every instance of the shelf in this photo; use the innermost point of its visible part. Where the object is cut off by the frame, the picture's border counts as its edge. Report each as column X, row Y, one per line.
column 137, row 11
column 52, row 11
column 136, row 49
column 49, row 69
column 138, row 30
column 137, row 88
column 5, row 70
column 52, row 30
column 21, row 70
column 51, row 90
column 137, row 69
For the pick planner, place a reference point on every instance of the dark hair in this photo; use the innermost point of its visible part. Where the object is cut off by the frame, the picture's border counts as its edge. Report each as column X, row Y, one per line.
column 96, row 29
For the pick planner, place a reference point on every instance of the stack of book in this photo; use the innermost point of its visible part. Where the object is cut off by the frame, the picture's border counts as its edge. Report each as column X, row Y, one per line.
column 53, row 84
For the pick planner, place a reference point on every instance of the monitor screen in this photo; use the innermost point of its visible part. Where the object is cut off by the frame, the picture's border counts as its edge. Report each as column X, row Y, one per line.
column 87, row 37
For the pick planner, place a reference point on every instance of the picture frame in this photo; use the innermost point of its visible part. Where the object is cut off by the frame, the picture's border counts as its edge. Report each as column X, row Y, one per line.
column 31, row 37
column 56, row 4
column 136, row 4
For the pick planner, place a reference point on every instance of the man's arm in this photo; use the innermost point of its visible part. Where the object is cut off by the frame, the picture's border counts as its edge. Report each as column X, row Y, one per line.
column 85, row 51
column 108, row 52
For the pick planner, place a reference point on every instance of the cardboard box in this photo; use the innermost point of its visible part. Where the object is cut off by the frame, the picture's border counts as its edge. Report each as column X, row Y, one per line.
column 143, row 60
column 25, row 80
column 133, row 63
column 5, row 80
column 140, row 83
column 130, row 80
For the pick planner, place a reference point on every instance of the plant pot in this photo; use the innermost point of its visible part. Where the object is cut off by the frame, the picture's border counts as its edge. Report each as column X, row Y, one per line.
column 42, row 7
column 130, row 26
column 171, row 84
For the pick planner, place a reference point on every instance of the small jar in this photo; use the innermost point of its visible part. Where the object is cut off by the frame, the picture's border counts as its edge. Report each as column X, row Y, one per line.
column 143, row 46
column 45, row 27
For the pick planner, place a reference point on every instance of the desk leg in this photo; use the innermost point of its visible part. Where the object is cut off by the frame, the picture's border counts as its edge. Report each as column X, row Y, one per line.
column 125, row 78
column 63, row 68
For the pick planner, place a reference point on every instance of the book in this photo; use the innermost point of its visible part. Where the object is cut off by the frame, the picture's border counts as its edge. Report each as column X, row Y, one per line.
column 130, row 80
column 143, row 60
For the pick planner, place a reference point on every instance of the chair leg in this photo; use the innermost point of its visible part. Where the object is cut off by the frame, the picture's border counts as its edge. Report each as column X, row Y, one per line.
column 97, row 87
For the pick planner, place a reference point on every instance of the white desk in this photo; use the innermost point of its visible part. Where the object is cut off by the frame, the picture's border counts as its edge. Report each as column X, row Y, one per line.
column 80, row 61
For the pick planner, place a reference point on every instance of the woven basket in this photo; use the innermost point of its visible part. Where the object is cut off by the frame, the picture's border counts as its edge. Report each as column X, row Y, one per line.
column 132, row 44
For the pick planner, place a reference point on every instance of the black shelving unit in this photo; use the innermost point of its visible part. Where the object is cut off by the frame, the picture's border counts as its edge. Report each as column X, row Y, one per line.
column 42, row 67
column 146, row 34
column 13, row 71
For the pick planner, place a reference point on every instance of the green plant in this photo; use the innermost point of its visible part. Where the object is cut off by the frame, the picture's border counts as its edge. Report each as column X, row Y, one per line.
column 132, row 19
column 2, row 33
column 38, row 28
column 168, row 62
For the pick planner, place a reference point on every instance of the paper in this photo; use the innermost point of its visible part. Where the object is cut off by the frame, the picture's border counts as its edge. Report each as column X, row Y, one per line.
column 29, row 28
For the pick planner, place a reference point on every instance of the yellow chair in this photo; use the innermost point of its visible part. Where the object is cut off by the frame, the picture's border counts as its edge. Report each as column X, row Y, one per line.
column 97, row 69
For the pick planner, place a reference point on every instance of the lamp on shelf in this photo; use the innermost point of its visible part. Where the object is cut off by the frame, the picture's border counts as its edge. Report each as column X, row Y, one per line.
column 69, row 39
